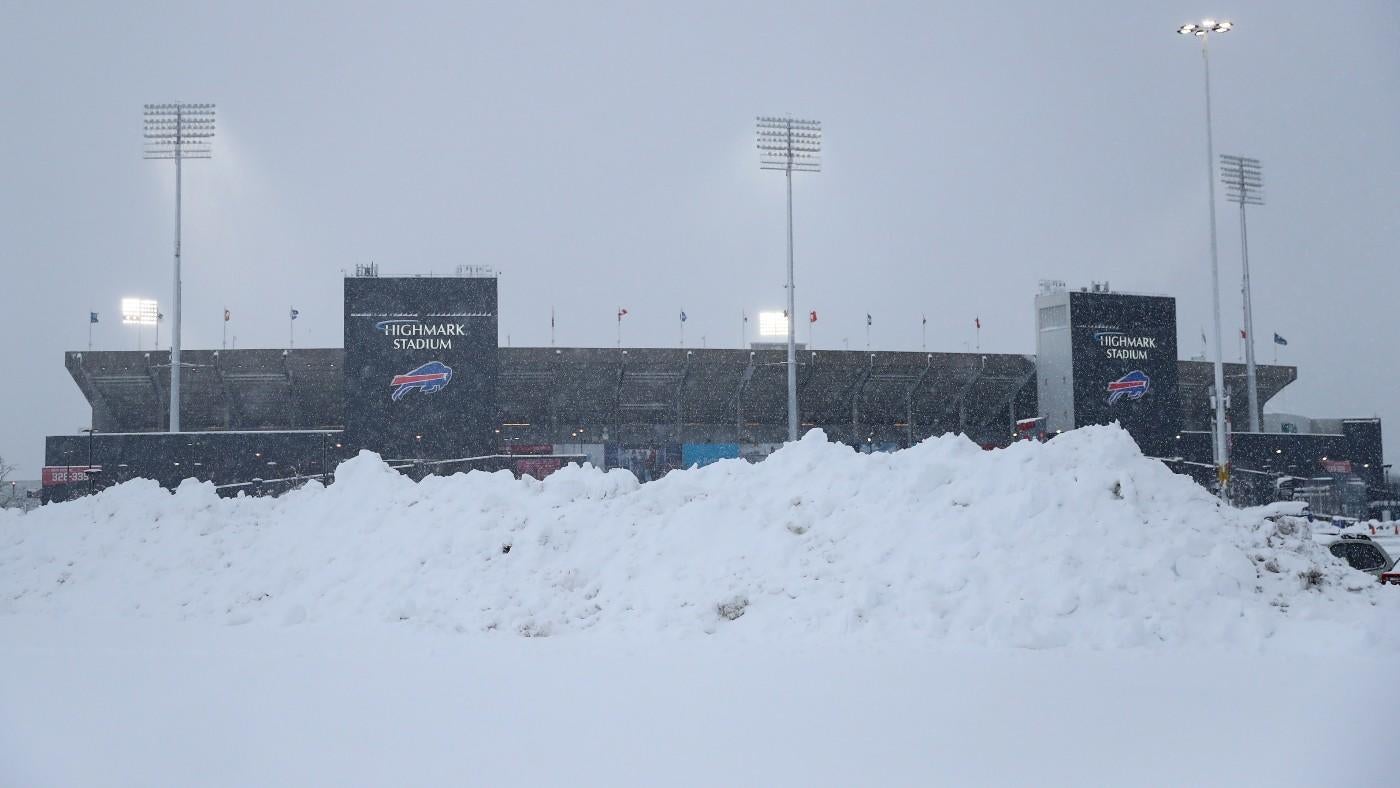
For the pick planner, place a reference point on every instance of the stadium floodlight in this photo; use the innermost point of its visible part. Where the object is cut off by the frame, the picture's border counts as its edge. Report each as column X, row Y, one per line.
column 790, row 145
column 1202, row 30
column 1244, row 184
column 139, row 311
column 178, row 131
column 772, row 324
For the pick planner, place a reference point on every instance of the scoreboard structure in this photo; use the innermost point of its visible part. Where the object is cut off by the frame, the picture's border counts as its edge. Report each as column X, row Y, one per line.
column 421, row 366
column 1105, row 357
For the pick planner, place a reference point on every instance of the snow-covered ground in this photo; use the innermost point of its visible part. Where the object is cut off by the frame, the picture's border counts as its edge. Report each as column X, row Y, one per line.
column 1065, row 613
column 140, row 703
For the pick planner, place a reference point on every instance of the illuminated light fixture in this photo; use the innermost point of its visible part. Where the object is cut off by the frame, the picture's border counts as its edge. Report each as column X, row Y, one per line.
column 140, row 311
column 1204, row 27
column 772, row 324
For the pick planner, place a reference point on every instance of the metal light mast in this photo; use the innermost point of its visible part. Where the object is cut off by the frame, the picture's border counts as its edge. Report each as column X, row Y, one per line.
column 1202, row 30
column 790, row 145
column 1244, row 184
column 178, row 131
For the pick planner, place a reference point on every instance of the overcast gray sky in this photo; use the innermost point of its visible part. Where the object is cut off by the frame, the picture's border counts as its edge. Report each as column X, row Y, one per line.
column 601, row 155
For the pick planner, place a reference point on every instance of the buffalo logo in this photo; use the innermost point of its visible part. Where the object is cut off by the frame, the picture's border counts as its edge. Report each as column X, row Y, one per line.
column 1133, row 385
column 430, row 378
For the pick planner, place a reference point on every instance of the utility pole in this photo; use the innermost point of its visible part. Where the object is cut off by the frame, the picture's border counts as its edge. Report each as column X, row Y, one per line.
column 1202, row 30
column 178, row 131
column 1244, row 184
column 790, row 145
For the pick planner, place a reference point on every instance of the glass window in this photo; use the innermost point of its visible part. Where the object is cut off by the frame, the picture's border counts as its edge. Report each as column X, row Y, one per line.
column 1364, row 556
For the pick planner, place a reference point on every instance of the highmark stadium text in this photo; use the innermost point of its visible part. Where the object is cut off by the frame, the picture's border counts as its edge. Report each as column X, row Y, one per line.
column 1117, row 345
column 418, row 334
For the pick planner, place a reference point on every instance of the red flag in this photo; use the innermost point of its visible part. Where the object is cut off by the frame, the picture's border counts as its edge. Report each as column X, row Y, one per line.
column 621, row 312
column 812, row 316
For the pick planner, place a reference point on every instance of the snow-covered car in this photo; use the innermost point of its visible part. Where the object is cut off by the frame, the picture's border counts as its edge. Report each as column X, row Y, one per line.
column 1364, row 555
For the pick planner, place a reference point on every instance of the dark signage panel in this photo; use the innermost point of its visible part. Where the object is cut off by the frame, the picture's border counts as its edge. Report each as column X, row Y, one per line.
column 1125, row 365
column 420, row 366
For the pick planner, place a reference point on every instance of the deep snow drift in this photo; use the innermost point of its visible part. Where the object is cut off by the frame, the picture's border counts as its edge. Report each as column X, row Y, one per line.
column 1077, row 542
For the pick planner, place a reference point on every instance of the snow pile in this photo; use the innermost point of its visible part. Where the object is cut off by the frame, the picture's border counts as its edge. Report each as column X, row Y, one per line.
column 1077, row 542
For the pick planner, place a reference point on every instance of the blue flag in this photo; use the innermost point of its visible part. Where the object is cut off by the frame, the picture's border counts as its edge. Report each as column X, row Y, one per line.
column 92, row 317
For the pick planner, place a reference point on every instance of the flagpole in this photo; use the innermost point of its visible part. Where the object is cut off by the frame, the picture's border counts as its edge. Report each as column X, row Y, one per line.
column 551, row 326
column 223, row 343
column 291, row 329
column 90, row 331
column 923, row 333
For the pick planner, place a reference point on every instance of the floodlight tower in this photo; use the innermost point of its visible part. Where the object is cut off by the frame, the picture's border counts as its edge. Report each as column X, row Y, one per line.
column 1202, row 30
column 1244, row 184
column 178, row 131
column 790, row 145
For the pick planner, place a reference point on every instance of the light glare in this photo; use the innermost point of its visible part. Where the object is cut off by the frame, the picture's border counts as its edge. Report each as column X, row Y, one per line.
column 772, row 324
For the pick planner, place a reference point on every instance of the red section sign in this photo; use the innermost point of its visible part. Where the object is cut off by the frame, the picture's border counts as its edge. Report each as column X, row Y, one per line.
column 66, row 474
column 1336, row 466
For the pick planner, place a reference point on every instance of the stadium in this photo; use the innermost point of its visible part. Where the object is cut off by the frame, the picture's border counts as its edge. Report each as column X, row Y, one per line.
column 256, row 420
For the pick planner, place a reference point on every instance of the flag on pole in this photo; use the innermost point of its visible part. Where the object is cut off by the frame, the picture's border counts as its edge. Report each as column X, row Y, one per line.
column 227, row 315
column 160, row 316
column 92, row 317
column 620, row 313
column 551, row 317
column 812, row 316
column 977, row 321
column 1243, row 335
column 295, row 313
column 1278, row 340
column 925, row 317
column 682, row 315
column 868, row 320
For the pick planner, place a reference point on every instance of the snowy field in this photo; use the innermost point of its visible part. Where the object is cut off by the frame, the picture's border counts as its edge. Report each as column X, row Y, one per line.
column 1060, row 614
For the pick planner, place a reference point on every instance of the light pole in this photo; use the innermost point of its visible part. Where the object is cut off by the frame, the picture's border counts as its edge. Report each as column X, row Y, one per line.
column 791, row 146
column 177, row 131
column 1202, row 30
column 1244, row 184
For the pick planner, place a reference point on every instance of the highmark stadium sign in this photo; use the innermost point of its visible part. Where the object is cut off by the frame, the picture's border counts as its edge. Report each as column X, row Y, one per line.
column 1125, row 365
column 420, row 365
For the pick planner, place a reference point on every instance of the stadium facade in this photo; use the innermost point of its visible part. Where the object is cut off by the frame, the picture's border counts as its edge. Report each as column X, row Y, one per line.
column 422, row 381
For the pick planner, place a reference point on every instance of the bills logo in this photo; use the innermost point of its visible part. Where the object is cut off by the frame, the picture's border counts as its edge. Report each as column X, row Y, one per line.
column 430, row 378
column 1133, row 385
